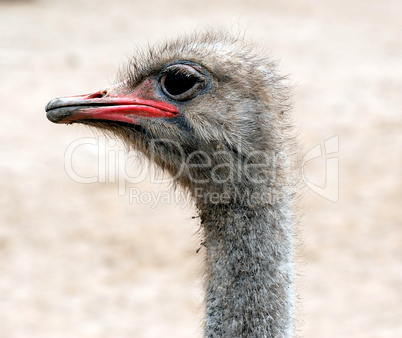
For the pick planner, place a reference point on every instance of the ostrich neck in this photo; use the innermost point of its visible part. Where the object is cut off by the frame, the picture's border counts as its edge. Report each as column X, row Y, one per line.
column 248, row 269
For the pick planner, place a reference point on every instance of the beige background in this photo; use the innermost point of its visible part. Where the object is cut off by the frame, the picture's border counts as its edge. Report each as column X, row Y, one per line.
column 78, row 260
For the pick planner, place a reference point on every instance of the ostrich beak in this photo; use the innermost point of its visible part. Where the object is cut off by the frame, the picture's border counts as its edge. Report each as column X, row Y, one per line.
column 107, row 104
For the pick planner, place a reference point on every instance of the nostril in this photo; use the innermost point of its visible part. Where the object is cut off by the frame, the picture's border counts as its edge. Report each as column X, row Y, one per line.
column 99, row 95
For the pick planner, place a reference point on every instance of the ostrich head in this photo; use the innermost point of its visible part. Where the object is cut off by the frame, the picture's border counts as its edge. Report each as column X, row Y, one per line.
column 206, row 108
column 214, row 114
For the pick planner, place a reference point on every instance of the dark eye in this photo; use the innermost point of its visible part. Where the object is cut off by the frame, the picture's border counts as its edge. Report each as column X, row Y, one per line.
column 182, row 82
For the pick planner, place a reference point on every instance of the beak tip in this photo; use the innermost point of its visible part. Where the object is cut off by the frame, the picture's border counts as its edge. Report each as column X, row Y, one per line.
column 52, row 104
column 47, row 106
column 57, row 115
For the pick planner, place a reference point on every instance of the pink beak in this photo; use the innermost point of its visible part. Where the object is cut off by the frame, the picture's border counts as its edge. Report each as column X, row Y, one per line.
column 107, row 104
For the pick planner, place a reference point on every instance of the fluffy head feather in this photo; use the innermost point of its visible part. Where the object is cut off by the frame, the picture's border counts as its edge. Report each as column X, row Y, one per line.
column 242, row 117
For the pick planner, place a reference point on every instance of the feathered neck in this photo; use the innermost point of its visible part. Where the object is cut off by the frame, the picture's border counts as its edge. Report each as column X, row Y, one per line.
column 248, row 265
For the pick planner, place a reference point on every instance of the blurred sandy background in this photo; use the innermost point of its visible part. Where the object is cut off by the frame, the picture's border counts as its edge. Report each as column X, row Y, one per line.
column 78, row 260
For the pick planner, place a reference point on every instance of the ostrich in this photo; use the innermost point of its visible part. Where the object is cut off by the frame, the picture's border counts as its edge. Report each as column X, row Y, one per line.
column 214, row 114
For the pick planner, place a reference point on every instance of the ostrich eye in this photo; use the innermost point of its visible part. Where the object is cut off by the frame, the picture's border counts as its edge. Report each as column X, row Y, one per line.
column 182, row 82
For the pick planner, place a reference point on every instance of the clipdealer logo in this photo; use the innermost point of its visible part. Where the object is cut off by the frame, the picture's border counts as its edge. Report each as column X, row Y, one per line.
column 330, row 151
column 113, row 166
